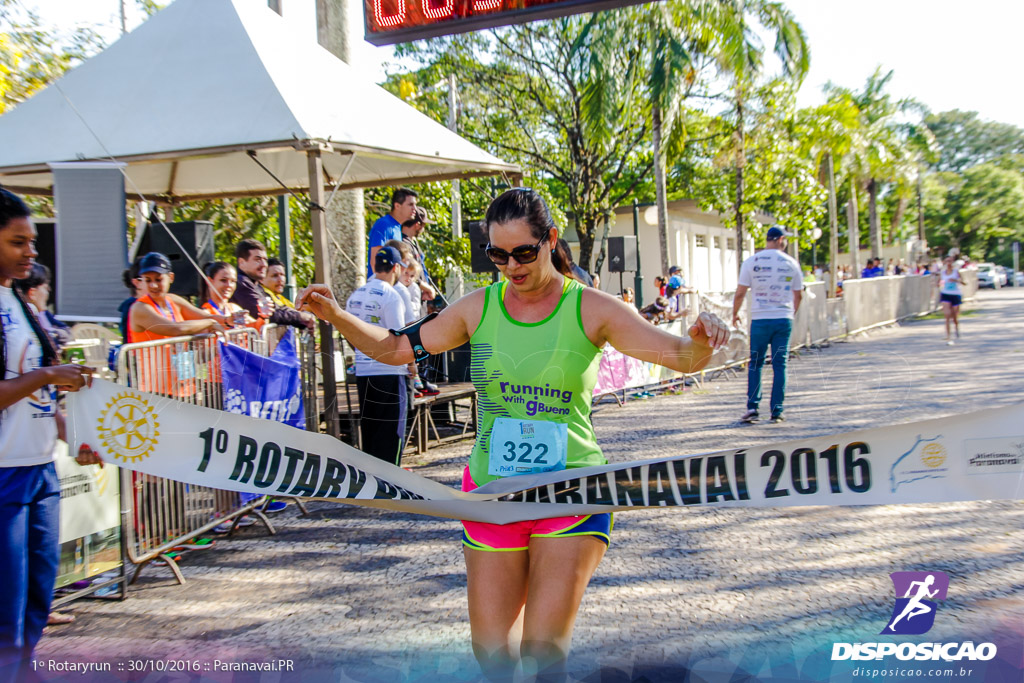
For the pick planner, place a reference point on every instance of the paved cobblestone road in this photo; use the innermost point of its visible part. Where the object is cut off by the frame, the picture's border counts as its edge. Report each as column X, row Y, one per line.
column 358, row 594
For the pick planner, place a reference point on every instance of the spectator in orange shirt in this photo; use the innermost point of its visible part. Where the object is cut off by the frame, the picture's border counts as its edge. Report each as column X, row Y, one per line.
column 159, row 314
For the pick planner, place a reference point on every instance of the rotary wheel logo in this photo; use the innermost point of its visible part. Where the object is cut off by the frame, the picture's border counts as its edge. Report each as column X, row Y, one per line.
column 933, row 455
column 128, row 427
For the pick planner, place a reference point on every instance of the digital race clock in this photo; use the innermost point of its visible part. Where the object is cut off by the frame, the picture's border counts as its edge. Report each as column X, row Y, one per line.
column 402, row 21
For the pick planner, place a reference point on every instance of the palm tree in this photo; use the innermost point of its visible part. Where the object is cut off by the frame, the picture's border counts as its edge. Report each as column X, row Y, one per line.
column 739, row 53
column 672, row 35
column 831, row 137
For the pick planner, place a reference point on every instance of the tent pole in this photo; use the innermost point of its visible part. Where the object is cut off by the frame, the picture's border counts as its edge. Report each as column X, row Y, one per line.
column 323, row 276
column 284, row 231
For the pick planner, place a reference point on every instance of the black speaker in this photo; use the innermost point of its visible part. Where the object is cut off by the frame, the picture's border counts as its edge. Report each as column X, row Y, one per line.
column 46, row 246
column 622, row 254
column 478, row 240
column 197, row 239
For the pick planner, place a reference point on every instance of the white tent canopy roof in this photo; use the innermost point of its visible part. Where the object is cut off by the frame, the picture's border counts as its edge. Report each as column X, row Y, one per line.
column 190, row 95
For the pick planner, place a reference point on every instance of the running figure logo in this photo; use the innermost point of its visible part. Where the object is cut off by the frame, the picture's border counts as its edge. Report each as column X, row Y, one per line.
column 914, row 612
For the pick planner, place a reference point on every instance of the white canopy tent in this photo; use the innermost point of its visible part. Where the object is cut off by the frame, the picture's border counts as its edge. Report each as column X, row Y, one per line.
column 187, row 98
column 222, row 98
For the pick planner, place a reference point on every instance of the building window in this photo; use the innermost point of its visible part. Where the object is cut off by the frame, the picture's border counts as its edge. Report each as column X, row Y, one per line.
column 699, row 241
column 731, row 244
column 717, row 241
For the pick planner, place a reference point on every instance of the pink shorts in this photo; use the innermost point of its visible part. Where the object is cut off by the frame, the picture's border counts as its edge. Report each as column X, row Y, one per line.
column 517, row 535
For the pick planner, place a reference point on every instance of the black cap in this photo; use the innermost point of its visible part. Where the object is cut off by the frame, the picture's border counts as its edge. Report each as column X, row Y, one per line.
column 388, row 257
column 777, row 232
column 154, row 262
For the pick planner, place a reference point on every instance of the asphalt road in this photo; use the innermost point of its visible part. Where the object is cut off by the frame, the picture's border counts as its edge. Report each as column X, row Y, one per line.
column 355, row 594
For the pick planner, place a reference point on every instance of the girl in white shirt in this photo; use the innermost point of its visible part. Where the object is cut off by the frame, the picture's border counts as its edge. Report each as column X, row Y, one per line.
column 29, row 427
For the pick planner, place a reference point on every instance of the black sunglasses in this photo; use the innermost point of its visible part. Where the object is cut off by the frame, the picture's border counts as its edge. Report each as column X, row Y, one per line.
column 524, row 253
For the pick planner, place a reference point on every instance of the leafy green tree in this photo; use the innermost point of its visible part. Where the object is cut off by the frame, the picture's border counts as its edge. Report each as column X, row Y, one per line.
column 973, row 210
column 740, row 55
column 891, row 150
column 780, row 176
column 33, row 55
column 522, row 90
column 964, row 140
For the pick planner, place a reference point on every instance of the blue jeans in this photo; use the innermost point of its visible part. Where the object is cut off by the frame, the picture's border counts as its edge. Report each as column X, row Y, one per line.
column 762, row 334
column 29, row 555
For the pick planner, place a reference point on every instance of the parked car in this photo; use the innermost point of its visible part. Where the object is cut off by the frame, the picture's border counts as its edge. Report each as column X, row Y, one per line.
column 990, row 276
column 1018, row 279
column 1004, row 276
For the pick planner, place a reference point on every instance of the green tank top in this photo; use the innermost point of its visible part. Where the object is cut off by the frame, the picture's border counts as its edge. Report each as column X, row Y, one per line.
column 543, row 371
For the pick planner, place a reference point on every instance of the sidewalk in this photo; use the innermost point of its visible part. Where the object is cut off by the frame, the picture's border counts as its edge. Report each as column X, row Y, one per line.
column 359, row 594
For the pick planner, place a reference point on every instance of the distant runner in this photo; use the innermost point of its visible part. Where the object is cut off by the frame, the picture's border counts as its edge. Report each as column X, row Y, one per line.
column 950, row 295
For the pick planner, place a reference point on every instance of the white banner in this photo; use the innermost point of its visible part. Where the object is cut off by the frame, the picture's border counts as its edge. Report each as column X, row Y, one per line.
column 88, row 497
column 970, row 457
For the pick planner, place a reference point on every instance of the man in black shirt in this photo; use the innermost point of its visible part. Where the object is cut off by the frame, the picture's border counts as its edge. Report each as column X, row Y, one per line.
column 252, row 268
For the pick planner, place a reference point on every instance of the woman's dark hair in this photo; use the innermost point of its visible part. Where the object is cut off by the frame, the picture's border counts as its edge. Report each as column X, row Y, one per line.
column 210, row 270
column 130, row 273
column 12, row 206
column 39, row 275
column 522, row 203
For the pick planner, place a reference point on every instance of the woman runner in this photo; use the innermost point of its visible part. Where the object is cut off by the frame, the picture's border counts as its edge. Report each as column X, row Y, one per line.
column 536, row 343
column 950, row 295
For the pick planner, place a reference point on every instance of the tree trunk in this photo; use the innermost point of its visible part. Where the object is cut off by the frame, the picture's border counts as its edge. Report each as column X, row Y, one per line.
column 853, row 228
column 344, row 216
column 833, row 229
column 740, row 163
column 897, row 219
column 920, row 209
column 585, row 231
column 661, row 198
column 604, row 244
column 874, row 224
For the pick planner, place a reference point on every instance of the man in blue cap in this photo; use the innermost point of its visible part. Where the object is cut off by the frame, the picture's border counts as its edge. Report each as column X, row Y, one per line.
column 383, row 393
column 776, row 286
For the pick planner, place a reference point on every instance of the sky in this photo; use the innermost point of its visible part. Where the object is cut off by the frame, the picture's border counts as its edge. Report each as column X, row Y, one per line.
column 947, row 54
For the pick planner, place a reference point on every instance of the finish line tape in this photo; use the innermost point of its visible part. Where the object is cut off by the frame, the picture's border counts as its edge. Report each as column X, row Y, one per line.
column 978, row 456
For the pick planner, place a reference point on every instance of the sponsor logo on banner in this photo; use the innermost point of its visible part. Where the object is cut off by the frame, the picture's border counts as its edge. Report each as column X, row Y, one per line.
column 924, row 460
column 914, row 614
column 995, row 456
column 128, row 427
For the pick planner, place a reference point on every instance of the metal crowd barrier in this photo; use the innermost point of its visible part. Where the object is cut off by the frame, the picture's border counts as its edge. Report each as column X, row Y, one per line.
column 160, row 514
column 866, row 303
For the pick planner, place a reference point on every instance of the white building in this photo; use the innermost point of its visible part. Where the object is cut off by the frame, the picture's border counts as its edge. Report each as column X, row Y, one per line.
column 697, row 242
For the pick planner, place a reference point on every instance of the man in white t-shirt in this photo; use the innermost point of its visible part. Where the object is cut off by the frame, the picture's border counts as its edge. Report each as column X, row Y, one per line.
column 383, row 392
column 775, row 283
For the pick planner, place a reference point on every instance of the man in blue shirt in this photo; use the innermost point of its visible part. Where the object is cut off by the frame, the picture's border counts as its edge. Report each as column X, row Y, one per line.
column 873, row 269
column 389, row 226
